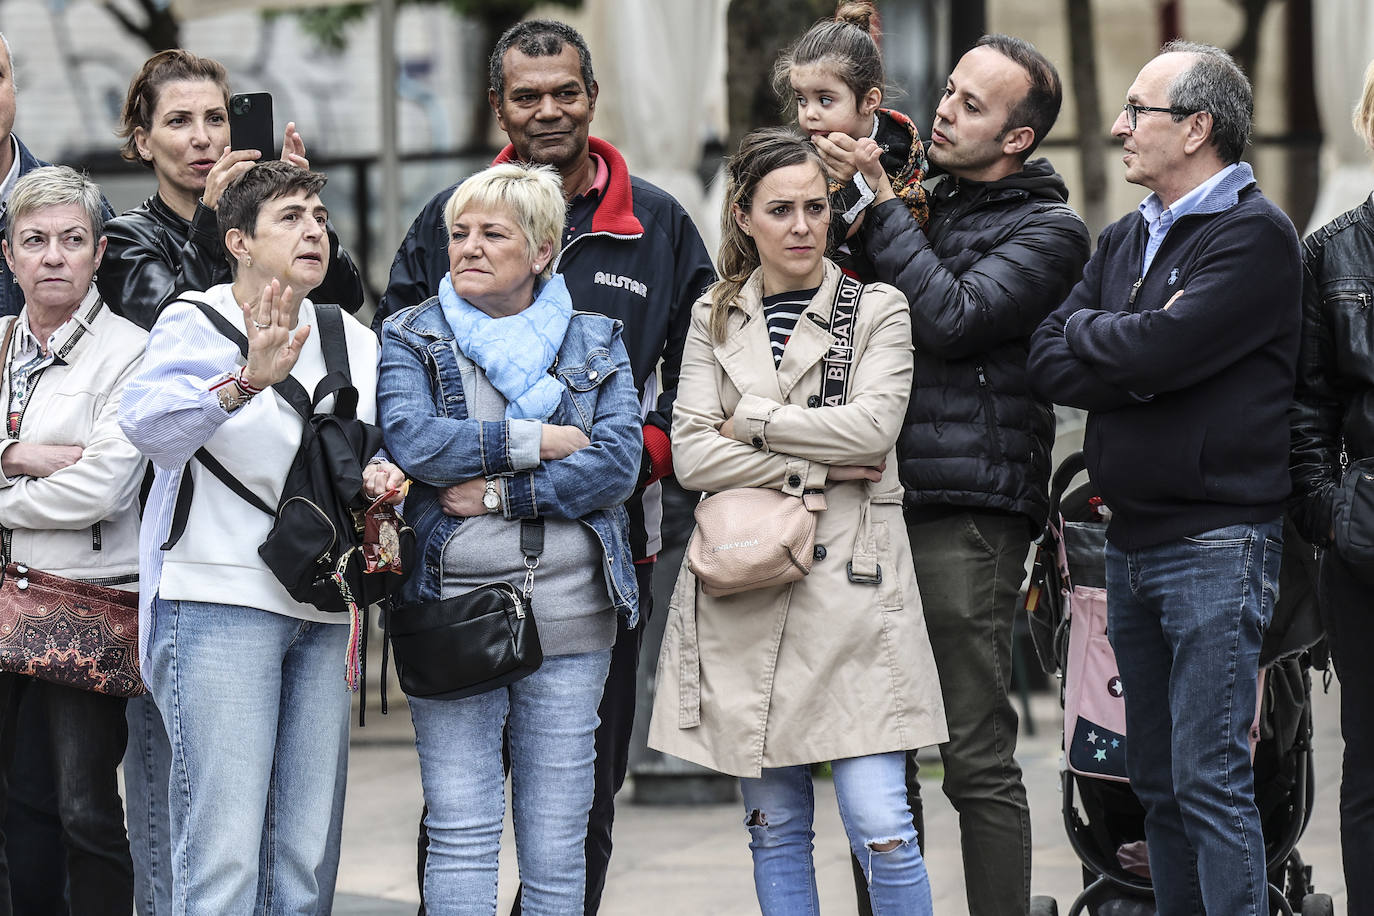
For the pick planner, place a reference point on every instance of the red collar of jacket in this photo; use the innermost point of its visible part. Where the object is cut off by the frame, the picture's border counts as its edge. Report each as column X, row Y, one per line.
column 615, row 214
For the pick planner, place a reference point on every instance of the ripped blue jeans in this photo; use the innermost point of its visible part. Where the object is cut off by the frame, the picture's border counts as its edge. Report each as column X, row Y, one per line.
column 871, row 791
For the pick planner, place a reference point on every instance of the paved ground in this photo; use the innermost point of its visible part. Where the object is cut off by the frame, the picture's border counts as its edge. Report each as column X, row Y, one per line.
column 676, row 861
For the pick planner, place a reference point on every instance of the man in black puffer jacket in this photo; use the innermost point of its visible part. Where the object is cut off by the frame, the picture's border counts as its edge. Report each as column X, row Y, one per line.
column 1001, row 250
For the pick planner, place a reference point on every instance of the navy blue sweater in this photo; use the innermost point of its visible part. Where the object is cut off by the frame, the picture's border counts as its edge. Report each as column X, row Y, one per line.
column 1187, row 427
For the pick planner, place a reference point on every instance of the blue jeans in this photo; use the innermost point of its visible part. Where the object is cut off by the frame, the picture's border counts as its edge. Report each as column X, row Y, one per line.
column 551, row 719
column 147, row 765
column 147, row 761
column 871, row 792
column 257, row 713
column 1186, row 619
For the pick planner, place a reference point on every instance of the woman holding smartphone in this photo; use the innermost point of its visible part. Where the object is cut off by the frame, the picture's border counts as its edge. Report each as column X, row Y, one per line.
column 175, row 121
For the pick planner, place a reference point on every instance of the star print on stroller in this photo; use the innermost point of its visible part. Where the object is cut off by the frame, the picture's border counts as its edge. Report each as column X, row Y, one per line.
column 1067, row 608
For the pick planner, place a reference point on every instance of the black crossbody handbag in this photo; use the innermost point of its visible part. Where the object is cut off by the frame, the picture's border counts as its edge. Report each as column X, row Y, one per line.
column 471, row 643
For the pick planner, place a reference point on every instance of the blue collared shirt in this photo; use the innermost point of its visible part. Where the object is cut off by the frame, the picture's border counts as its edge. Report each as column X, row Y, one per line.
column 1159, row 218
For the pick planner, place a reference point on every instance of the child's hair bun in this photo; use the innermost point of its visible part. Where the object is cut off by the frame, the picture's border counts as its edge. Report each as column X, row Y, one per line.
column 861, row 13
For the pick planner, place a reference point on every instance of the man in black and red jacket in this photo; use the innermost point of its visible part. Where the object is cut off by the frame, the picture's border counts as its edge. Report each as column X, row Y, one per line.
column 629, row 251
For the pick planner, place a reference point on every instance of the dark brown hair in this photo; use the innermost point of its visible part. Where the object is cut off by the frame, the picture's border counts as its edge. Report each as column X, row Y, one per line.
column 241, row 202
column 1039, row 107
column 164, row 67
column 847, row 45
column 761, row 152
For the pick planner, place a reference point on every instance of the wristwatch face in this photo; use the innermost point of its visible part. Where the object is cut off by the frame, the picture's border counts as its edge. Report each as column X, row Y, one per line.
column 491, row 499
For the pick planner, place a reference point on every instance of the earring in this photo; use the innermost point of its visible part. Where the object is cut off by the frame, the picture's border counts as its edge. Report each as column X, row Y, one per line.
column 248, row 260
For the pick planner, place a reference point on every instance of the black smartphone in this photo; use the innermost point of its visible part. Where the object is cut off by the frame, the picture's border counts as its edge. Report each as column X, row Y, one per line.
column 250, row 123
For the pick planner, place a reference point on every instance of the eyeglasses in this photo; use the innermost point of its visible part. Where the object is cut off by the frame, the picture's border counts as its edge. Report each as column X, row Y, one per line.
column 1133, row 112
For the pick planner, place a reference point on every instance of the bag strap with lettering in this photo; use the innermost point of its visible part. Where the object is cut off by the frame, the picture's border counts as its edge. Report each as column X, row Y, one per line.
column 839, row 359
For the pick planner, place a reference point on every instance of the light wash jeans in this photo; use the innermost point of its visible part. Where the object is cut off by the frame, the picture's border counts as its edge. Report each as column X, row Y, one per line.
column 871, row 792
column 551, row 720
column 147, row 761
column 147, row 765
column 1186, row 619
column 257, row 714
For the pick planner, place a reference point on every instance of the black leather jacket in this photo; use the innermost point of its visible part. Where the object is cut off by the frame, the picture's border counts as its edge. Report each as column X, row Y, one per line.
column 993, row 261
column 1333, row 402
column 154, row 255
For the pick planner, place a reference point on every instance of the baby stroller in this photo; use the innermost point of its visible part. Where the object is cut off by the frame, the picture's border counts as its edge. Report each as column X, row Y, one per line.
column 1067, row 607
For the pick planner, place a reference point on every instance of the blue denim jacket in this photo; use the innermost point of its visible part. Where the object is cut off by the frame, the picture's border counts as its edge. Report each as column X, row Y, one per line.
column 423, row 414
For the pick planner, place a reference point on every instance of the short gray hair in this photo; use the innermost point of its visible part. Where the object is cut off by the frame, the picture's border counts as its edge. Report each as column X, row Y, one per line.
column 1214, row 84
column 533, row 194
column 56, row 186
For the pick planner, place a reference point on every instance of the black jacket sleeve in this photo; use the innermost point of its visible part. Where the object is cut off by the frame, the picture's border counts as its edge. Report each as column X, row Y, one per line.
column 1054, row 371
column 693, row 274
column 420, row 262
column 145, row 268
column 1020, row 278
column 1315, row 420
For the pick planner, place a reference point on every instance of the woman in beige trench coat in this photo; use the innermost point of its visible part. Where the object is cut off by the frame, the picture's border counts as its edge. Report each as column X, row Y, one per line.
column 836, row 666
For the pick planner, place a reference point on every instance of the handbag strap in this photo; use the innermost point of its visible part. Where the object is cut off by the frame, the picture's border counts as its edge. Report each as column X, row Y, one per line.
column 840, row 357
column 531, row 545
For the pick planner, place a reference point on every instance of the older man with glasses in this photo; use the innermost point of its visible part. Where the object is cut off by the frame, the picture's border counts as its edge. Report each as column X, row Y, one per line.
column 1182, row 341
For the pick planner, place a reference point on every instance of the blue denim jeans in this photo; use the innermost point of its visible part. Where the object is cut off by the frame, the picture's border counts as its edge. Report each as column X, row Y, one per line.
column 147, row 766
column 147, row 761
column 871, row 792
column 551, row 719
column 1186, row 619
column 256, row 711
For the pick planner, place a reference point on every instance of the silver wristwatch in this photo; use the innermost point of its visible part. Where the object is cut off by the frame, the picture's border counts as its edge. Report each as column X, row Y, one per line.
column 491, row 498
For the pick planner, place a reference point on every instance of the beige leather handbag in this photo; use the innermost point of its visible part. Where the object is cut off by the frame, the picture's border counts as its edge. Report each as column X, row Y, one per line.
column 752, row 537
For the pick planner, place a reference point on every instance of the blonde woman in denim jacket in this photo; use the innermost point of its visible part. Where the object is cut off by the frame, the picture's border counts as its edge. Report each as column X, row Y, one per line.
column 503, row 404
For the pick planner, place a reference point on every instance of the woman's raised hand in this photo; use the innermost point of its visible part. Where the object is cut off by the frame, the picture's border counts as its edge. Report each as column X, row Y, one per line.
column 231, row 164
column 272, row 348
column 293, row 147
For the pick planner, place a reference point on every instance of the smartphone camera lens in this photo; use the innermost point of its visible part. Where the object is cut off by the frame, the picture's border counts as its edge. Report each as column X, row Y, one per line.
column 242, row 104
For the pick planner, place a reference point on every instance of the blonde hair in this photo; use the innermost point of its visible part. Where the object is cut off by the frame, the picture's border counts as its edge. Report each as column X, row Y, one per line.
column 1364, row 111
column 533, row 194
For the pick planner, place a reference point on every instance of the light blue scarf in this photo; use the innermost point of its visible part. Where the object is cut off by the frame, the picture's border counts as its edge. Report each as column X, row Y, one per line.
column 516, row 351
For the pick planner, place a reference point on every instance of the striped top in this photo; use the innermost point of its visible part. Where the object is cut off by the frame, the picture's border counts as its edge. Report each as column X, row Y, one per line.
column 781, row 311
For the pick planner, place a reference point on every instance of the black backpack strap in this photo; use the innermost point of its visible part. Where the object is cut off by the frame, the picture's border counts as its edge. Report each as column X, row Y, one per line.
column 338, row 379
column 292, row 391
column 333, row 342
column 839, row 359
column 186, row 491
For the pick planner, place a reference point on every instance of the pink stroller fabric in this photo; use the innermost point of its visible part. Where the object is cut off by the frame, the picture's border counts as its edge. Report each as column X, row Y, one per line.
column 1094, row 693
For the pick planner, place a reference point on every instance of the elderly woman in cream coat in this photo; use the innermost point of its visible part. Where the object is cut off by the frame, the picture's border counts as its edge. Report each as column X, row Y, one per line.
column 836, row 666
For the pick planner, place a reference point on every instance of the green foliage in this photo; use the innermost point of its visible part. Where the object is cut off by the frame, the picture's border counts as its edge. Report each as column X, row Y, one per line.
column 328, row 25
